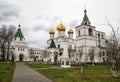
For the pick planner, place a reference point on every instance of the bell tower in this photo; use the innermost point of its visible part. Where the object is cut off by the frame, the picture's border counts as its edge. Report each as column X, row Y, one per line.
column 85, row 36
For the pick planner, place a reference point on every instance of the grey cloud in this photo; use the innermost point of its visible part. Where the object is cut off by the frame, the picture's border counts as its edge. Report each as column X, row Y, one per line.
column 56, row 18
column 41, row 27
column 74, row 23
column 8, row 11
column 43, row 17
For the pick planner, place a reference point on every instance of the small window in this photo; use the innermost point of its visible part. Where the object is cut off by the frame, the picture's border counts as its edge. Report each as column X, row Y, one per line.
column 98, row 35
column 60, row 54
column 90, row 31
column 62, row 62
column 85, row 23
column 103, row 53
column 18, row 49
column 67, row 62
column 58, row 45
column 102, row 36
column 20, row 39
column 78, row 33
column 75, row 47
column 70, row 46
column 23, row 49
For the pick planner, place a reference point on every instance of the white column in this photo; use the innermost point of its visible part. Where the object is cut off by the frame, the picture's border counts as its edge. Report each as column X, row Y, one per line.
column 65, row 60
column 70, row 36
column 65, row 52
column 51, row 36
column 52, row 57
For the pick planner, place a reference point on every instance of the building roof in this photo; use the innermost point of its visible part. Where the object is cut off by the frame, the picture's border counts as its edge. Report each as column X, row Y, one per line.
column 61, row 27
column 51, row 31
column 70, row 31
column 19, row 33
column 85, row 18
column 52, row 44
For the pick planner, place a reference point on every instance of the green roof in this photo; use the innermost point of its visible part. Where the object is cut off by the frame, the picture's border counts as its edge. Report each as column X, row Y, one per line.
column 85, row 18
column 19, row 33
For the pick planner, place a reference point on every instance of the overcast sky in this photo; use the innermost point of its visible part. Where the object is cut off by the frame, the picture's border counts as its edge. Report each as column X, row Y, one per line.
column 38, row 16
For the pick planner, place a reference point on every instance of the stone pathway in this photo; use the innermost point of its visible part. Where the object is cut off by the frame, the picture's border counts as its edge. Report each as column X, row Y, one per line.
column 24, row 73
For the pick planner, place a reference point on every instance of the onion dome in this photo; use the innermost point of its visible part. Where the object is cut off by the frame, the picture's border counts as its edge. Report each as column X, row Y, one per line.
column 61, row 27
column 70, row 31
column 51, row 31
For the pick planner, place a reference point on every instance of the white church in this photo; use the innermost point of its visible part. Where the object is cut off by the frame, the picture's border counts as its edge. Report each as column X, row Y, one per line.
column 89, row 44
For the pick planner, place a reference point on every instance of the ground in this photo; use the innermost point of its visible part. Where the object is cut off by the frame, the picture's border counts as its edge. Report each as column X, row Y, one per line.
column 91, row 74
column 99, row 73
column 24, row 73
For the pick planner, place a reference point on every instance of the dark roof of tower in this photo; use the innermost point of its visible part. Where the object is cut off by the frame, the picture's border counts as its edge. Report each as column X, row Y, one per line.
column 85, row 18
column 52, row 44
column 19, row 33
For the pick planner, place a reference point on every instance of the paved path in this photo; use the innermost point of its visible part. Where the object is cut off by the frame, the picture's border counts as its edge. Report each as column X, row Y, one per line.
column 24, row 73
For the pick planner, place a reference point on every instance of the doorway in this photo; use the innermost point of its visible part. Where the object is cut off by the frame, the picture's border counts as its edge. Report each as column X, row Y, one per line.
column 21, row 56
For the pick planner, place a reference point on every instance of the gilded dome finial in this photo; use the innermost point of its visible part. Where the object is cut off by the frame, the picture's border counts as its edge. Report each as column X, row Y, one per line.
column 70, row 31
column 61, row 27
column 51, row 31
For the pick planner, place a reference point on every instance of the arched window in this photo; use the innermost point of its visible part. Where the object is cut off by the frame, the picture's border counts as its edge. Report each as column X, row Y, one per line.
column 58, row 45
column 98, row 35
column 78, row 33
column 102, row 36
column 85, row 23
column 60, row 53
column 20, row 39
column 103, row 53
column 70, row 46
column 90, row 31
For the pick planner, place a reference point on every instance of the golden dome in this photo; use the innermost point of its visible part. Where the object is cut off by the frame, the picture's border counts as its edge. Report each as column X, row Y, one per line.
column 70, row 31
column 61, row 27
column 51, row 31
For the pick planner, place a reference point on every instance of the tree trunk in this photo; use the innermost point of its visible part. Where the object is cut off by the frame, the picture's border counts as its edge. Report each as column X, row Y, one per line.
column 8, row 52
column 81, row 69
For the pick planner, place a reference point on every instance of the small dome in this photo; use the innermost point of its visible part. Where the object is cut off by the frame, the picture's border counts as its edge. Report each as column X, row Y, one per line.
column 51, row 31
column 70, row 31
column 61, row 27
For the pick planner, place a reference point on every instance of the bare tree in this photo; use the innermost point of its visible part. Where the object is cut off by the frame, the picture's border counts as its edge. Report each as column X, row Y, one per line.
column 91, row 55
column 55, row 57
column 80, row 52
column 6, row 36
column 9, row 38
column 3, row 36
column 113, row 46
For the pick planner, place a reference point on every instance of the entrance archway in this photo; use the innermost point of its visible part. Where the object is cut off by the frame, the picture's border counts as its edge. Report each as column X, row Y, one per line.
column 21, row 57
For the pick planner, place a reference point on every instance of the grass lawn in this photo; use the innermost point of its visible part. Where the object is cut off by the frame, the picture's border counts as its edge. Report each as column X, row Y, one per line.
column 39, row 65
column 6, row 72
column 91, row 74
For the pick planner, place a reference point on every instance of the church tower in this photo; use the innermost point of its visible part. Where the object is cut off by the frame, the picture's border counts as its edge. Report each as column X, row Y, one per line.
column 21, row 52
column 85, row 37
